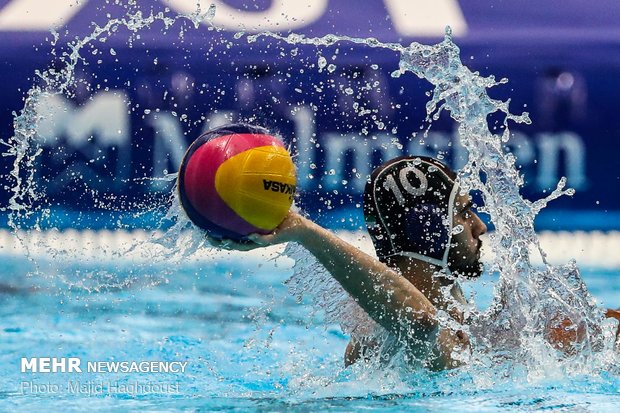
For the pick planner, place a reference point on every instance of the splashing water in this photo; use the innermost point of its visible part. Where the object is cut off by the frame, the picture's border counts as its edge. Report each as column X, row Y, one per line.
column 528, row 297
column 26, row 206
column 23, row 145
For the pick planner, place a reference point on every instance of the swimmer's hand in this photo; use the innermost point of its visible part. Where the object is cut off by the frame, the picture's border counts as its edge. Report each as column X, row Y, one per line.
column 230, row 245
column 288, row 230
column 285, row 232
column 610, row 313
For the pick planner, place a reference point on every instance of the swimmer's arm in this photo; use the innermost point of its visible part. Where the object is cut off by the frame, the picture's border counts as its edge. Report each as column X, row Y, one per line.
column 384, row 294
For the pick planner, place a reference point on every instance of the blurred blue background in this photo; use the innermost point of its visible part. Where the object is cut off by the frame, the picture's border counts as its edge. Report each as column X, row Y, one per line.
column 141, row 99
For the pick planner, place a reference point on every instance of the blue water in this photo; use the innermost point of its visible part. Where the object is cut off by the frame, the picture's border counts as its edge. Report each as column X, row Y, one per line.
column 249, row 346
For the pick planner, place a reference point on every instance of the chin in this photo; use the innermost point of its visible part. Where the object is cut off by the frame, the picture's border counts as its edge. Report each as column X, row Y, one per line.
column 472, row 270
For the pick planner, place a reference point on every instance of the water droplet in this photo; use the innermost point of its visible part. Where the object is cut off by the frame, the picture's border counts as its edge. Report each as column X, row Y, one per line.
column 210, row 12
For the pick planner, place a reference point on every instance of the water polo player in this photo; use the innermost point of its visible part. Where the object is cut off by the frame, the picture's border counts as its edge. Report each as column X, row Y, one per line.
column 412, row 205
column 425, row 235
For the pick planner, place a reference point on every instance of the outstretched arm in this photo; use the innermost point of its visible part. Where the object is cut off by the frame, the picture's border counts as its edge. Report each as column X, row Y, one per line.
column 383, row 293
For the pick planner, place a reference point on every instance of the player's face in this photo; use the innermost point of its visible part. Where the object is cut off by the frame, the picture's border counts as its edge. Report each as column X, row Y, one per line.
column 464, row 255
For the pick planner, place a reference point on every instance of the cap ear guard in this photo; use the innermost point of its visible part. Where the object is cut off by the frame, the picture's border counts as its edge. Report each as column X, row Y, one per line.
column 426, row 226
column 378, row 233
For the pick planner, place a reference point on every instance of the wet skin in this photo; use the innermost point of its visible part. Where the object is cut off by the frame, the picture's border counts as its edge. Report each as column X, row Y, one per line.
column 349, row 265
column 464, row 255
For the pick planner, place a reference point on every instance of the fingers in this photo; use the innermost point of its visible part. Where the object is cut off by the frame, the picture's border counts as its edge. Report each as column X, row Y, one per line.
column 262, row 240
column 230, row 245
column 216, row 242
column 252, row 241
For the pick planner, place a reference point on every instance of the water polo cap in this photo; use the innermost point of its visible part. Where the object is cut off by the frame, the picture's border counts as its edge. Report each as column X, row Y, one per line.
column 408, row 209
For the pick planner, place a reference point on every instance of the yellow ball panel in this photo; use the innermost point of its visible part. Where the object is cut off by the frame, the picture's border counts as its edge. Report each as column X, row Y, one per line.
column 258, row 184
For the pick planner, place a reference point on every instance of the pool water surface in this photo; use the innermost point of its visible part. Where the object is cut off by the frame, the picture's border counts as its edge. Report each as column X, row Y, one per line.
column 248, row 344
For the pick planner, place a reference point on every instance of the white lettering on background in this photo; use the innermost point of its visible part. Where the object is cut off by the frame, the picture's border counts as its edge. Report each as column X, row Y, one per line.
column 426, row 18
column 281, row 15
column 361, row 151
column 551, row 145
column 104, row 116
column 37, row 15
column 410, row 17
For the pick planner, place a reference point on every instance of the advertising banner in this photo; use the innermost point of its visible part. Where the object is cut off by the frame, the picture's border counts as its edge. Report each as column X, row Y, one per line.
column 143, row 92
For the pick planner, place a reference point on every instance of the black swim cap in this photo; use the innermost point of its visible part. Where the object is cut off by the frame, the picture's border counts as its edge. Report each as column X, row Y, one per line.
column 408, row 209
